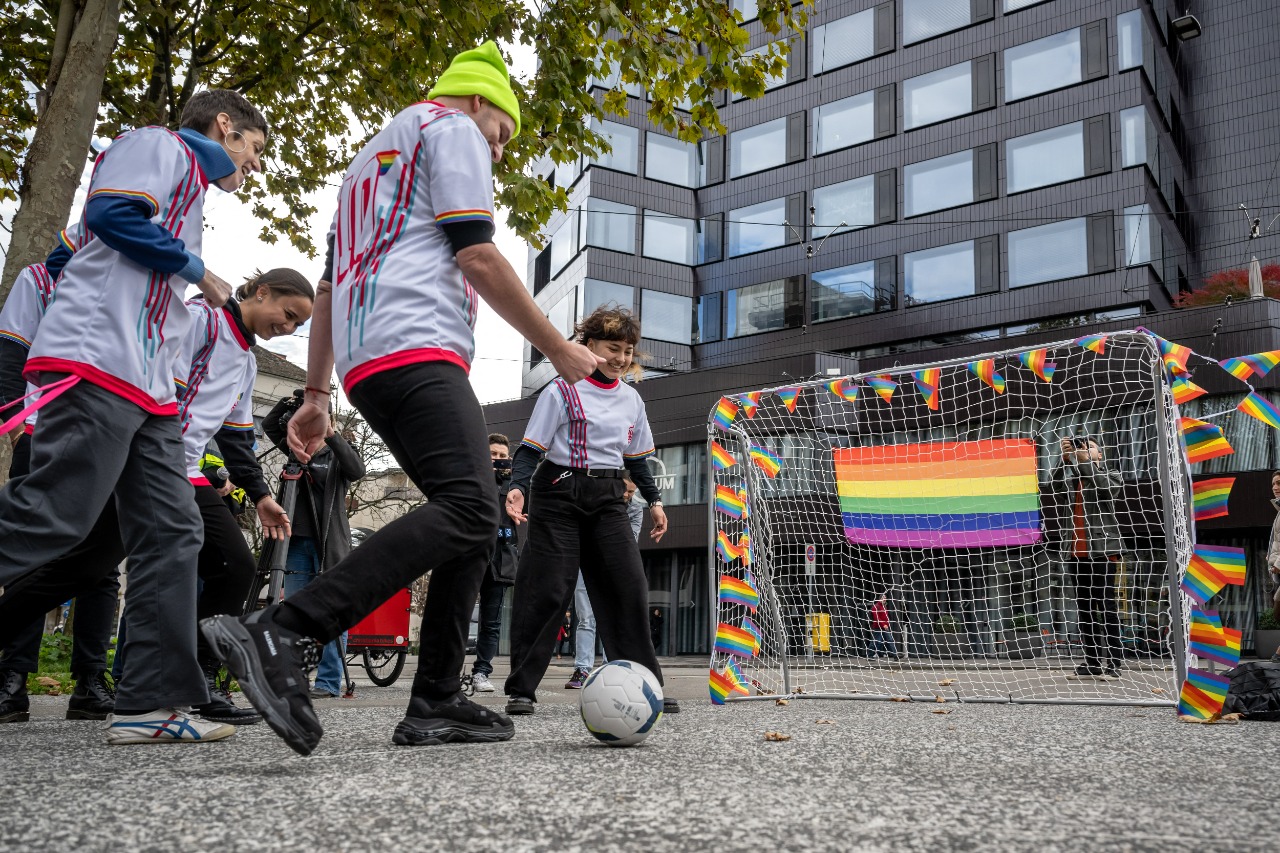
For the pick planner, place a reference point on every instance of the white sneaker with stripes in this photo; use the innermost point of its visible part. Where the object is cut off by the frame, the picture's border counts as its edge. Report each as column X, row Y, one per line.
column 166, row 725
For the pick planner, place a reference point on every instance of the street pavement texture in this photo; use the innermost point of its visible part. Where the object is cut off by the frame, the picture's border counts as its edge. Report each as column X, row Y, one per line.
column 854, row 775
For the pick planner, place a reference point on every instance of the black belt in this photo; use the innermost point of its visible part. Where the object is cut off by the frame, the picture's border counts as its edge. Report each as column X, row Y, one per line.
column 602, row 473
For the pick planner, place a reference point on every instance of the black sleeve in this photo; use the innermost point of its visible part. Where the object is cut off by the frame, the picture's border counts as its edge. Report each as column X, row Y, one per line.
column 349, row 462
column 523, row 465
column 327, row 275
column 13, row 357
column 276, row 431
column 237, row 451
column 642, row 476
column 471, row 233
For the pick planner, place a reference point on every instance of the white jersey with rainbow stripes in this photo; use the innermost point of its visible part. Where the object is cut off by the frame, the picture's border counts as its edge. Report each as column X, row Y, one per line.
column 398, row 295
column 22, row 312
column 590, row 424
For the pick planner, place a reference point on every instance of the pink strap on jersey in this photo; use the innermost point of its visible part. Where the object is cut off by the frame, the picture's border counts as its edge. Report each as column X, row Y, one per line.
column 47, row 395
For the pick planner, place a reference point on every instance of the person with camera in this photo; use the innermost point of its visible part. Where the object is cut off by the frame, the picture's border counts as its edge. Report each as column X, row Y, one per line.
column 321, row 536
column 501, row 573
column 1091, row 549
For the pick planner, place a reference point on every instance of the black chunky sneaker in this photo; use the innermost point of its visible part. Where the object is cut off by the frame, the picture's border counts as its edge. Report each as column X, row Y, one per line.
column 270, row 663
column 15, row 707
column 518, row 706
column 220, row 708
column 93, row 699
column 430, row 722
column 670, row 706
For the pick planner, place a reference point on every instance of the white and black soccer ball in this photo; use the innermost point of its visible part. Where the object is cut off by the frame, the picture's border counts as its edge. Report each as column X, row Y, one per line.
column 620, row 702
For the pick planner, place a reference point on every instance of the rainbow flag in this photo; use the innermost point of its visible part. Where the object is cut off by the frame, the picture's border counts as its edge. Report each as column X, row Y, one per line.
column 737, row 591
column 745, row 545
column 1036, row 363
column 734, row 673
column 1097, row 343
column 720, row 686
column 986, row 371
column 726, row 411
column 844, row 389
column 789, row 397
column 766, row 460
column 1184, row 390
column 952, row 494
column 1203, row 694
column 1175, row 357
column 1228, row 562
column 1209, row 497
column 749, row 625
column 1245, row 366
column 750, row 402
column 725, row 547
column 721, row 458
column 1257, row 406
column 883, row 385
column 1210, row 640
column 1237, row 367
column 1202, row 440
column 732, row 640
column 927, row 382
column 1201, row 581
column 731, row 502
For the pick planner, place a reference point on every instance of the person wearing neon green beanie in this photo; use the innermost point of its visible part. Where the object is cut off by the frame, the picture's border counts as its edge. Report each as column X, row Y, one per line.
column 477, row 83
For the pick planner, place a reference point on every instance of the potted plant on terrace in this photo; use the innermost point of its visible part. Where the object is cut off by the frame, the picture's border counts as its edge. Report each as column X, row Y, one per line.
column 1266, row 637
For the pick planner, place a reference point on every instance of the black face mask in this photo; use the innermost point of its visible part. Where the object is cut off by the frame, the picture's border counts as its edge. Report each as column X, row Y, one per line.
column 501, row 469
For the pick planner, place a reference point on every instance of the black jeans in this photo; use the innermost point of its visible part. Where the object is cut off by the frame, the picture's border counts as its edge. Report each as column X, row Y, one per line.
column 577, row 522
column 490, row 628
column 434, row 427
column 226, row 565
column 1097, row 609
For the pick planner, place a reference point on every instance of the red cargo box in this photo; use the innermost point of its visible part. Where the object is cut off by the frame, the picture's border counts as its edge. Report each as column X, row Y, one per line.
column 385, row 627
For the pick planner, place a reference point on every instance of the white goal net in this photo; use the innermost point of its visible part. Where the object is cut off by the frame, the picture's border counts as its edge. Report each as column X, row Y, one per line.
column 1010, row 528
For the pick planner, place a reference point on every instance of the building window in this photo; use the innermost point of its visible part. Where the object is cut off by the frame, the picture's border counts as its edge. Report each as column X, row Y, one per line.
column 771, row 81
column 666, row 317
column 670, row 238
column 625, row 141
column 840, row 124
column 1048, row 157
column 938, row 95
column 707, row 319
column 758, row 227
column 1133, row 136
column 844, row 42
column 922, row 19
column 764, row 307
column 1141, row 236
column 609, row 225
column 939, row 183
column 596, row 293
column 671, row 160
column 566, row 173
column 1129, row 34
column 681, row 473
column 848, row 292
column 563, row 314
column 1048, row 252
column 612, row 79
column 1042, row 65
column 748, row 8
column 844, row 207
column 945, row 272
column 754, row 149
column 1015, row 5
column 564, row 243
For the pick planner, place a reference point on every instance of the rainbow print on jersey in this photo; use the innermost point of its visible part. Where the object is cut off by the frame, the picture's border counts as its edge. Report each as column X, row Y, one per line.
column 1203, row 440
column 731, row 502
column 844, row 389
column 1184, row 390
column 1035, row 361
column 750, row 402
column 726, row 411
column 883, row 385
column 736, row 591
column 732, row 640
column 766, row 460
column 1096, row 343
column 953, row 494
column 1257, row 406
column 927, row 382
column 1210, row 497
column 385, row 159
column 789, row 398
column 1203, row 694
column 986, row 371
column 721, row 458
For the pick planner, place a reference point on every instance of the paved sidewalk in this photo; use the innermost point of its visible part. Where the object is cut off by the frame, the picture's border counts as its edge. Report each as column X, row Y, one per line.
column 855, row 775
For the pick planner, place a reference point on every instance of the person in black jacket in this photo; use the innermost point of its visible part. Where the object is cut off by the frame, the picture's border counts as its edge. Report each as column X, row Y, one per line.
column 501, row 573
column 321, row 535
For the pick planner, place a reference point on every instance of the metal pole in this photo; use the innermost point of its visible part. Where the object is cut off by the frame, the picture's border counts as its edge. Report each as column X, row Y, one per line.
column 1175, row 516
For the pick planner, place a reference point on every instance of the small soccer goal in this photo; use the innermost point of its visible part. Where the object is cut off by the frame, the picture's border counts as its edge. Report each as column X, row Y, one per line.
column 1011, row 528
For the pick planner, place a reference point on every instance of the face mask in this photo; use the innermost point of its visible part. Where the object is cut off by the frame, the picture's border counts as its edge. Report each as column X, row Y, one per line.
column 502, row 469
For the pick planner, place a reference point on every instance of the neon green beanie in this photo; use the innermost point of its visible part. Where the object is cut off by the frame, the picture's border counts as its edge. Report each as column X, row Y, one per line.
column 480, row 72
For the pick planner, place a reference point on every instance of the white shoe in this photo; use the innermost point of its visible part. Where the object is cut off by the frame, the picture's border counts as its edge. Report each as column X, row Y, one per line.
column 481, row 683
column 167, row 725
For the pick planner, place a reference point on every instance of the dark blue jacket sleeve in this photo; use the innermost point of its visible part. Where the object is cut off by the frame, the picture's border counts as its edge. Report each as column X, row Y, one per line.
column 57, row 260
column 13, row 357
column 125, row 225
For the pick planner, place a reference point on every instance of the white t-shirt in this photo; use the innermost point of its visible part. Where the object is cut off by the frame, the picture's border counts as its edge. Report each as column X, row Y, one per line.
column 22, row 312
column 589, row 424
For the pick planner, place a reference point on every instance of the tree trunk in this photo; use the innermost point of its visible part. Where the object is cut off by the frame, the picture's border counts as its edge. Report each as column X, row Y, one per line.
column 54, row 163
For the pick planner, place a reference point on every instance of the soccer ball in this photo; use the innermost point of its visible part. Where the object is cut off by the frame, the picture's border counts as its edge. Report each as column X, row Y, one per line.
column 620, row 703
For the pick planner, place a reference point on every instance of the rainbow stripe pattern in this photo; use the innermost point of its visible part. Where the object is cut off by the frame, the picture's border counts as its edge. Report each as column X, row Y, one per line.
column 927, row 382
column 725, row 682
column 1096, row 343
column 789, row 398
column 1210, row 497
column 1237, row 367
column 844, row 389
column 750, row 402
column 1203, row 440
column 766, row 460
column 736, row 591
column 955, row 494
column 1184, row 390
column 1036, row 361
column 986, row 371
column 1257, row 406
column 732, row 640
column 726, row 410
column 1242, row 367
column 1202, row 694
column 1228, row 562
column 749, row 625
column 883, row 385
column 1175, row 356
column 1211, row 641
column 721, row 458
column 725, row 548
column 731, row 502
column 385, row 159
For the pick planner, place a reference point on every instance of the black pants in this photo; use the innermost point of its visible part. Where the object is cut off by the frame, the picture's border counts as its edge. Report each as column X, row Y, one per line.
column 1097, row 609
column 577, row 522
column 226, row 565
column 434, row 427
column 95, row 618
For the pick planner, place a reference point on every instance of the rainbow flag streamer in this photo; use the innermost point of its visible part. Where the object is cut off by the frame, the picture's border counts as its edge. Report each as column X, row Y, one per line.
column 1203, row 440
column 721, row 458
column 744, row 546
column 766, row 460
column 789, row 398
column 1201, row 582
column 1036, row 363
column 725, row 548
column 1242, row 367
column 1203, row 694
column 731, row 502
column 1097, row 343
column 734, row 672
column 726, row 411
column 1228, row 562
column 722, row 684
column 749, row 625
column 738, row 591
column 986, row 371
column 883, row 385
column 732, row 640
column 954, row 494
column 844, row 389
column 1257, row 406
column 750, row 402
column 1237, row 367
column 927, row 382
column 1210, row 497
column 1184, row 390
column 1211, row 641
column 1175, row 357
